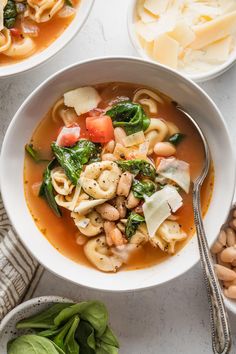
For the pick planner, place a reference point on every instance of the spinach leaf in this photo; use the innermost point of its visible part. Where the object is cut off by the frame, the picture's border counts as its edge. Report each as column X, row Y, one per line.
column 34, row 154
column 85, row 336
column 59, row 338
column 138, row 166
column 175, row 139
column 130, row 116
column 104, row 348
column 68, row 3
column 10, row 14
column 46, row 189
column 133, row 222
column 72, row 159
column 44, row 319
column 32, row 343
column 71, row 346
column 143, row 188
column 93, row 312
column 108, row 337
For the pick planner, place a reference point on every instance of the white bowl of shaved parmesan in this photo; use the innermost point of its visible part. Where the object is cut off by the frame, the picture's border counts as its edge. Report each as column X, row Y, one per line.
column 196, row 38
column 101, row 163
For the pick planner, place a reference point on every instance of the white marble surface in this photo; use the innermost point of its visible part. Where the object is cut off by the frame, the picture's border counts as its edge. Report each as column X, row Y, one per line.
column 171, row 318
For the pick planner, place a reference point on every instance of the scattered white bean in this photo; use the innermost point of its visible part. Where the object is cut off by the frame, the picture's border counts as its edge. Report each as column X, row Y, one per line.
column 228, row 255
column 132, row 201
column 108, row 212
column 217, row 247
column 119, row 134
column 108, row 157
column 230, row 237
column 224, row 273
column 164, row 149
column 231, row 292
column 124, row 184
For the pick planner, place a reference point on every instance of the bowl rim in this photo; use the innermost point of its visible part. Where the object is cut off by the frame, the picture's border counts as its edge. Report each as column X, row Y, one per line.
column 40, row 58
column 44, row 83
column 25, row 304
column 208, row 75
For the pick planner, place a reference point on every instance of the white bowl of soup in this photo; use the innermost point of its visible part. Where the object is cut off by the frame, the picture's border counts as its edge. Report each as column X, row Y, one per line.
column 97, row 168
column 33, row 31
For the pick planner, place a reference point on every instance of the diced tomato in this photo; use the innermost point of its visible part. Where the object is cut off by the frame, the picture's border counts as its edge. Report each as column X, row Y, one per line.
column 100, row 129
column 15, row 32
column 68, row 136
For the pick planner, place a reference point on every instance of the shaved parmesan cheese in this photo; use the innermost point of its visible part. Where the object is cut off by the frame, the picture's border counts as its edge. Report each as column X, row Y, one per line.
column 183, row 33
column 175, row 170
column 134, row 139
column 219, row 51
column 166, row 51
column 145, row 15
column 214, row 30
column 158, row 207
column 85, row 206
column 156, row 7
column 68, row 136
column 82, row 99
column 2, row 5
column 147, row 46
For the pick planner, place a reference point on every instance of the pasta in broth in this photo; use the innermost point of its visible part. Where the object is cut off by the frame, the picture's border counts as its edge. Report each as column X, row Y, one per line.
column 116, row 189
column 25, row 26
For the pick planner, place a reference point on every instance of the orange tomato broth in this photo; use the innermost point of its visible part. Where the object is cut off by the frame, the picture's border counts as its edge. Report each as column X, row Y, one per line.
column 61, row 232
column 48, row 32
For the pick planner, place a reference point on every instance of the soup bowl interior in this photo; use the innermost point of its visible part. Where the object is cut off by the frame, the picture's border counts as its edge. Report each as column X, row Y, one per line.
column 131, row 70
column 82, row 12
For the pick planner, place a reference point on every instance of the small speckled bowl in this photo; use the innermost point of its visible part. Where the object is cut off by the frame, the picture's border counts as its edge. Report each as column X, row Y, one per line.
column 29, row 308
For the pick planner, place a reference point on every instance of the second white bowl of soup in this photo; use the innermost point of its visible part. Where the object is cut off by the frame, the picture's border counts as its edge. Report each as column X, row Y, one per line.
column 33, row 31
column 105, row 184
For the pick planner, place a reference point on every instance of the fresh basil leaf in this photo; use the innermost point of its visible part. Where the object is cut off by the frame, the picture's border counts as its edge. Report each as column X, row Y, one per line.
column 175, row 139
column 93, row 312
column 143, row 188
column 129, row 116
column 60, row 337
column 108, row 337
column 34, row 154
column 104, row 348
column 85, row 336
column 32, row 343
column 72, row 159
column 44, row 319
column 10, row 14
column 133, row 222
column 71, row 346
column 138, row 166
column 46, row 190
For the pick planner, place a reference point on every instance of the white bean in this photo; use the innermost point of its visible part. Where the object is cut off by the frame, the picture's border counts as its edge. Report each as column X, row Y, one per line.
column 231, row 292
column 109, row 147
column 108, row 212
column 108, row 157
column 222, row 237
column 228, row 255
column 224, row 273
column 124, row 184
column 132, row 201
column 119, row 134
column 233, row 224
column 164, row 149
column 230, row 237
column 217, row 247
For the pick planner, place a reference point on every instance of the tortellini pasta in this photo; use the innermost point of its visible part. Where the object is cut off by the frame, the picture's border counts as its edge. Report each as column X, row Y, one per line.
column 43, row 10
column 167, row 235
column 71, row 201
column 22, row 48
column 91, row 225
column 61, row 182
column 100, row 179
column 5, row 40
column 101, row 256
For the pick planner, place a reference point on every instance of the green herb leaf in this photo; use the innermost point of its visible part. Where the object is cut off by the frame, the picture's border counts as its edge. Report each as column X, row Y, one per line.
column 44, row 319
column 85, row 336
column 72, row 159
column 93, row 312
column 46, row 189
column 130, row 116
column 10, row 14
column 138, row 166
column 175, row 139
column 143, row 188
column 71, row 346
column 34, row 154
column 32, row 343
column 60, row 337
column 108, row 337
column 68, row 3
column 133, row 222
column 104, row 348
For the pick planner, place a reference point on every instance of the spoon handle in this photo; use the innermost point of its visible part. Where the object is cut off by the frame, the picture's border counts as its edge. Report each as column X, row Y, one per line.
column 220, row 329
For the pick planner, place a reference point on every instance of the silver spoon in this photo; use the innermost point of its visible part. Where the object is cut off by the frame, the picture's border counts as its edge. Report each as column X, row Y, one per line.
column 220, row 328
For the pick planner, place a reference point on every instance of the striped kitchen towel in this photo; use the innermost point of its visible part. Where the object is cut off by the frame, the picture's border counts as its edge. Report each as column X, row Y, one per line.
column 19, row 271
